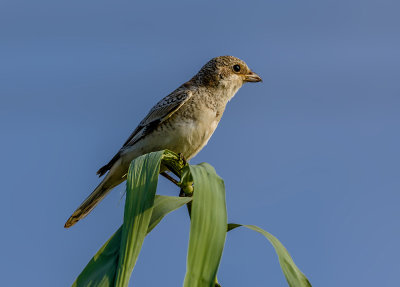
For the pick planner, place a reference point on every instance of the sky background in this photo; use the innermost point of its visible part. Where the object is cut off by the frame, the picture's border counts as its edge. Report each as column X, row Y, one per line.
column 311, row 154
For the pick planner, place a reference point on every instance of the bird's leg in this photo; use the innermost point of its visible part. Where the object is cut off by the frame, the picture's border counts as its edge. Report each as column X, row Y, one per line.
column 182, row 193
column 170, row 178
column 182, row 158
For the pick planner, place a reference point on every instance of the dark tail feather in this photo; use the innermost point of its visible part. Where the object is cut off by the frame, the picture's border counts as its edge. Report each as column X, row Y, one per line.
column 93, row 199
column 108, row 166
column 102, row 171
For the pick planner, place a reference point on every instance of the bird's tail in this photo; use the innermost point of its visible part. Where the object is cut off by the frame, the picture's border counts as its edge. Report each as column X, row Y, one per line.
column 90, row 202
column 114, row 177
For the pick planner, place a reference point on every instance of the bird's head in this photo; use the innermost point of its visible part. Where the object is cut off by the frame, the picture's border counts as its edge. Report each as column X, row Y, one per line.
column 226, row 71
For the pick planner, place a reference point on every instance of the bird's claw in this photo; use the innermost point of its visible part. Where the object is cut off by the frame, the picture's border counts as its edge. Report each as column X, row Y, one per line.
column 182, row 158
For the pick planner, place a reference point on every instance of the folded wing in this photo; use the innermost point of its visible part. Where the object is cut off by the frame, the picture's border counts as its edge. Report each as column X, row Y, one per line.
column 158, row 114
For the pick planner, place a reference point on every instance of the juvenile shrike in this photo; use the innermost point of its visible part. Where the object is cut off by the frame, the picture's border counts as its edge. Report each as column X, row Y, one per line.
column 182, row 122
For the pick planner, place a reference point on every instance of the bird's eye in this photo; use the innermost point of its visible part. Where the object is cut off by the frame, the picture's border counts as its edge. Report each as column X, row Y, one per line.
column 236, row 68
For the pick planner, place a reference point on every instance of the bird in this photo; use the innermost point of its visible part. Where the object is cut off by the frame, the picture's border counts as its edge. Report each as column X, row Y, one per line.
column 182, row 122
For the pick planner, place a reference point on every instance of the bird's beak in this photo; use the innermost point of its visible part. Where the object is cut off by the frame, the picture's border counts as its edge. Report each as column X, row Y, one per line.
column 252, row 77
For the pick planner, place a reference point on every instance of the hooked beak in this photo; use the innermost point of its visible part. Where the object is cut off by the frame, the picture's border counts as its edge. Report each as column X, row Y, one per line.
column 252, row 77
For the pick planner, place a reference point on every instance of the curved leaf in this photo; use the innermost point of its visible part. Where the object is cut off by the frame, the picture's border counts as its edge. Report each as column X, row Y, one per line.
column 141, row 188
column 163, row 205
column 100, row 271
column 294, row 276
column 207, row 228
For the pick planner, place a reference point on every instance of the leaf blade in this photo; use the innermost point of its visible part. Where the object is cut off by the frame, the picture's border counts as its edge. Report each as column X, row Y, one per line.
column 163, row 205
column 293, row 275
column 207, row 228
column 141, row 188
column 101, row 269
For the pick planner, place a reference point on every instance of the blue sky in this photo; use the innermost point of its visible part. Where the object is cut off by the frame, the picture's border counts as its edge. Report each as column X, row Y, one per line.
column 311, row 154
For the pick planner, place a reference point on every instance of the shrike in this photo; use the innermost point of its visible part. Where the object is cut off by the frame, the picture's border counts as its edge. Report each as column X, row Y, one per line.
column 182, row 122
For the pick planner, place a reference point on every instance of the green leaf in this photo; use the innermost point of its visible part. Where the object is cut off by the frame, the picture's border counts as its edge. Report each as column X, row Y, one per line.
column 101, row 270
column 207, row 228
column 141, row 216
column 294, row 276
column 140, row 192
column 163, row 205
column 114, row 262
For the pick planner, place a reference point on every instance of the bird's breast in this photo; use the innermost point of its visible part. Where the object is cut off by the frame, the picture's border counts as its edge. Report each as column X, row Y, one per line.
column 192, row 133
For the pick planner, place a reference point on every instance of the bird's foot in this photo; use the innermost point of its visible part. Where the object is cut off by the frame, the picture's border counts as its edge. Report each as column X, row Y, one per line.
column 182, row 158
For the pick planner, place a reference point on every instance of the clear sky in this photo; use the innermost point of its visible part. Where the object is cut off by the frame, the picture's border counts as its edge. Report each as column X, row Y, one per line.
column 311, row 154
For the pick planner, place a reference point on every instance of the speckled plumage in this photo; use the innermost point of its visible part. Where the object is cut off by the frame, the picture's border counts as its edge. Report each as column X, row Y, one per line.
column 182, row 122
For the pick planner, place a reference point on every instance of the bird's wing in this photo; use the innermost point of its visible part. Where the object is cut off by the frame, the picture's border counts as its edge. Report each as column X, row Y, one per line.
column 158, row 114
